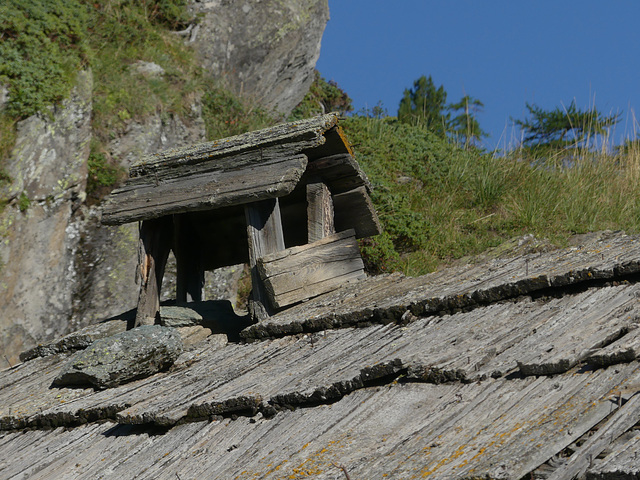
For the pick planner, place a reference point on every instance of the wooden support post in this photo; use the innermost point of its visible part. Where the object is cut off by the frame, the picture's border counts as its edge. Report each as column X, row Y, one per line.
column 154, row 247
column 320, row 221
column 265, row 235
column 187, row 248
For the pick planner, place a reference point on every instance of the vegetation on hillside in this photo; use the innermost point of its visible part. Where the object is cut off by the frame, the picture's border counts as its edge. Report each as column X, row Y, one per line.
column 438, row 202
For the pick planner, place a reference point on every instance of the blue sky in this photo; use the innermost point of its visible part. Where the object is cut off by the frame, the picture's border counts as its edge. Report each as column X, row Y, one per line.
column 505, row 53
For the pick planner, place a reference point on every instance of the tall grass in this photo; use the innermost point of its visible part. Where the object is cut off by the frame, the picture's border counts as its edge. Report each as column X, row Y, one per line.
column 438, row 202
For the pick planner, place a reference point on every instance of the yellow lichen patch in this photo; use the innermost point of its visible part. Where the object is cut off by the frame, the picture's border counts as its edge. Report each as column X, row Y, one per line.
column 425, row 472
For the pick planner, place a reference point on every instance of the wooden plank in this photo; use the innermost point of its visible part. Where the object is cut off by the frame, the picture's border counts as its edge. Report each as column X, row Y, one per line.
column 265, row 235
column 623, row 462
column 340, row 172
column 188, row 249
column 354, row 209
column 625, row 349
column 306, row 271
column 221, row 184
column 320, row 214
column 287, row 138
column 330, row 277
column 156, row 239
column 578, row 463
column 336, row 143
column 496, row 429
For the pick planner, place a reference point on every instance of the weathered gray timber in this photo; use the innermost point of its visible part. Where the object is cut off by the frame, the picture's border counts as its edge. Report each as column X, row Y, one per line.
column 621, row 421
column 212, row 174
column 402, row 431
column 154, row 247
column 622, row 463
column 303, row 272
column 357, row 212
column 320, row 212
column 126, row 356
column 264, row 230
column 225, row 184
column 440, row 394
column 189, row 201
column 387, row 298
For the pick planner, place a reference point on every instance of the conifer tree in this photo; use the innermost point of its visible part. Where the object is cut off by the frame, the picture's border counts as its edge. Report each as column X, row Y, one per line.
column 464, row 127
column 425, row 105
column 562, row 127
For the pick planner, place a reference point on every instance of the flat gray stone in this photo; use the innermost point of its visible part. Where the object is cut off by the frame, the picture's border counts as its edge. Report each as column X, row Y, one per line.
column 172, row 316
column 126, row 356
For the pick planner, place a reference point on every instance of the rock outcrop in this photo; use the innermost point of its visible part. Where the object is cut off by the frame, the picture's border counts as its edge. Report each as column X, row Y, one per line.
column 39, row 228
column 267, row 50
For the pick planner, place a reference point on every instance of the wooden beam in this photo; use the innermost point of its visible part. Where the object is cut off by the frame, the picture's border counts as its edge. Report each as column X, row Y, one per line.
column 156, row 238
column 265, row 235
column 287, row 138
column 303, row 272
column 354, row 209
column 258, row 175
column 340, row 172
column 336, row 143
column 188, row 249
column 320, row 221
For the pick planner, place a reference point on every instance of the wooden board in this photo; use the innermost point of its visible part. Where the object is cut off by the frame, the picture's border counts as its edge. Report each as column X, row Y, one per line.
column 340, row 172
column 396, row 431
column 336, row 143
column 320, row 213
column 205, row 186
column 300, row 273
column 622, row 462
column 354, row 209
column 621, row 421
column 265, row 236
column 367, row 398
column 155, row 243
column 282, row 140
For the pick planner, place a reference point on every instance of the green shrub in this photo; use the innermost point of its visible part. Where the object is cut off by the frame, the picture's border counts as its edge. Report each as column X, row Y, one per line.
column 103, row 175
column 226, row 114
column 43, row 46
column 23, row 202
column 322, row 97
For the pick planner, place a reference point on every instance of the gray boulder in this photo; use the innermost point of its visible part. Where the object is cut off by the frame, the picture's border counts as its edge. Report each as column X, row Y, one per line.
column 126, row 356
column 264, row 50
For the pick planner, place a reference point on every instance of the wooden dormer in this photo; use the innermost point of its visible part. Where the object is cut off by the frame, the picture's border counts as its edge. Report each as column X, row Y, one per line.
column 290, row 200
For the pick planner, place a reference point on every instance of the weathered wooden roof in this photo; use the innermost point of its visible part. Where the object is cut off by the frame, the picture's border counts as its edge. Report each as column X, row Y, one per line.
column 245, row 168
column 518, row 367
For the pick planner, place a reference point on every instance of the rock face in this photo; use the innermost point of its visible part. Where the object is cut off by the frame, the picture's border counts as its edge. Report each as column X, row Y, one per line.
column 267, row 49
column 39, row 232
column 126, row 356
